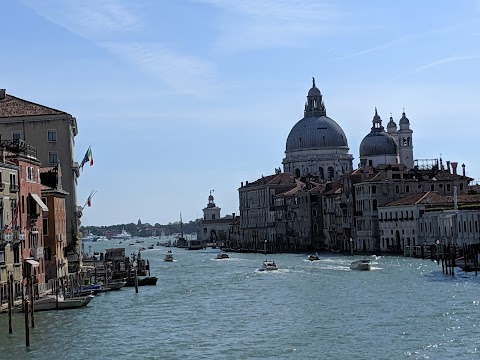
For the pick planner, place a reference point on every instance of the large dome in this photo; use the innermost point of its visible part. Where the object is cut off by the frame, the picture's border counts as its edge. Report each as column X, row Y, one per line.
column 316, row 132
column 378, row 143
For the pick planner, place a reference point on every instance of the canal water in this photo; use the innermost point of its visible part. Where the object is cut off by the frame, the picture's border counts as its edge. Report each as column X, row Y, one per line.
column 202, row 308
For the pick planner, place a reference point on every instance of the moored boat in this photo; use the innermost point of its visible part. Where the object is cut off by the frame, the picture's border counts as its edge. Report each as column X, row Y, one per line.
column 123, row 235
column 49, row 302
column 116, row 284
column 361, row 265
column 142, row 281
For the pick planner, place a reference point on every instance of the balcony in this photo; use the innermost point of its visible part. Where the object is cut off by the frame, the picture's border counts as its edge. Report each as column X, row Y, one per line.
column 13, row 188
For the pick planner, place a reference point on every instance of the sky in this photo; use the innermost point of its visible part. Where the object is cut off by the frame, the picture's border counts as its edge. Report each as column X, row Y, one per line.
column 178, row 98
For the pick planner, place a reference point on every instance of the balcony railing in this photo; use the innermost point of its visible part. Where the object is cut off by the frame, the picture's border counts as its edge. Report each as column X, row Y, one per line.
column 13, row 188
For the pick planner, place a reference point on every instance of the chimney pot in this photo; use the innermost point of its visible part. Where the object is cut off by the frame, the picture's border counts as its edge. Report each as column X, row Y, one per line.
column 454, row 167
column 2, row 94
column 463, row 170
column 448, row 166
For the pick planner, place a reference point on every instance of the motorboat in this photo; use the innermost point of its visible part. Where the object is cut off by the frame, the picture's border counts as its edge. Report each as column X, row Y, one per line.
column 50, row 302
column 123, row 235
column 268, row 265
column 90, row 237
column 151, row 247
column 116, row 284
column 222, row 255
column 313, row 257
column 361, row 265
column 168, row 256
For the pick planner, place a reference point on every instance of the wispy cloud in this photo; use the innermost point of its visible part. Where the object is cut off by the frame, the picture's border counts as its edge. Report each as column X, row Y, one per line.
column 445, row 61
column 184, row 73
column 87, row 18
column 100, row 22
column 252, row 24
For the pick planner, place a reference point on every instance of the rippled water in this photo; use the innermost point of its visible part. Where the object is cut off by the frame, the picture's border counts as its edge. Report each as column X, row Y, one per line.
column 203, row 308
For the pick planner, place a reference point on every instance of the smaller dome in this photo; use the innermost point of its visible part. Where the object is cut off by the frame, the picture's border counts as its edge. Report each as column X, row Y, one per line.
column 210, row 197
column 378, row 143
column 404, row 120
column 391, row 123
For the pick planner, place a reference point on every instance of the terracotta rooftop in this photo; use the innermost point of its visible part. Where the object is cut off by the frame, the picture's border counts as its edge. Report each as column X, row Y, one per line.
column 434, row 198
column 12, row 106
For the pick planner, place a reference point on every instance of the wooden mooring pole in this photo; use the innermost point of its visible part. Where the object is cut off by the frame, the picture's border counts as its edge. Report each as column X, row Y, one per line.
column 27, row 329
column 136, row 281
column 10, row 301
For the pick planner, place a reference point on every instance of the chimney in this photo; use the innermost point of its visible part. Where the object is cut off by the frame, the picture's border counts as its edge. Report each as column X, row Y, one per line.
column 463, row 170
column 241, row 184
column 441, row 164
column 2, row 94
column 448, row 166
column 454, row 167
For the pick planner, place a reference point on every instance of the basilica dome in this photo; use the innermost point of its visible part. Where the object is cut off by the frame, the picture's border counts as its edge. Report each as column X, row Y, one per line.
column 378, row 142
column 316, row 130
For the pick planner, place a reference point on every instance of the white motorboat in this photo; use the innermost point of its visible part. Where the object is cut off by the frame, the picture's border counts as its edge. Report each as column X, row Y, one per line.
column 123, row 235
column 90, row 237
column 50, row 302
column 222, row 255
column 269, row 265
column 361, row 265
column 313, row 257
column 168, row 256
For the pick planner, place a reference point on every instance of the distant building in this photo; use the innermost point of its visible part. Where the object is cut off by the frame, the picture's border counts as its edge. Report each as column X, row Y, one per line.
column 213, row 228
column 52, row 132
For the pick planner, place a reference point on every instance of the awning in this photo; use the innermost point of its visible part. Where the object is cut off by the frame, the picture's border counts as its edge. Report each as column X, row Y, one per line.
column 32, row 262
column 39, row 201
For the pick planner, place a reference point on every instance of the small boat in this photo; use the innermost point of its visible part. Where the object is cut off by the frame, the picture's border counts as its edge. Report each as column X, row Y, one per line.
column 268, row 265
column 222, row 255
column 361, row 265
column 168, row 256
column 141, row 249
column 50, row 302
column 94, row 288
column 313, row 257
column 142, row 281
column 116, row 284
column 151, row 247
column 90, row 237
column 158, row 243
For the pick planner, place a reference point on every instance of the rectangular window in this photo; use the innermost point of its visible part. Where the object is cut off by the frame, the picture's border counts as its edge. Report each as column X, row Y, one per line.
column 2, row 257
column 45, row 226
column 52, row 135
column 53, row 157
column 16, row 135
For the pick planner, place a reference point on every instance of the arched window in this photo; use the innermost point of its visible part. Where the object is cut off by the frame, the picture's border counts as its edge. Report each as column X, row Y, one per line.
column 330, row 173
column 320, row 172
column 408, row 141
column 397, row 189
column 297, row 172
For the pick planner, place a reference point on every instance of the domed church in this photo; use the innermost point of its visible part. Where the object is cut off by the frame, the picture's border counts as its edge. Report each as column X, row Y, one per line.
column 316, row 144
column 391, row 147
